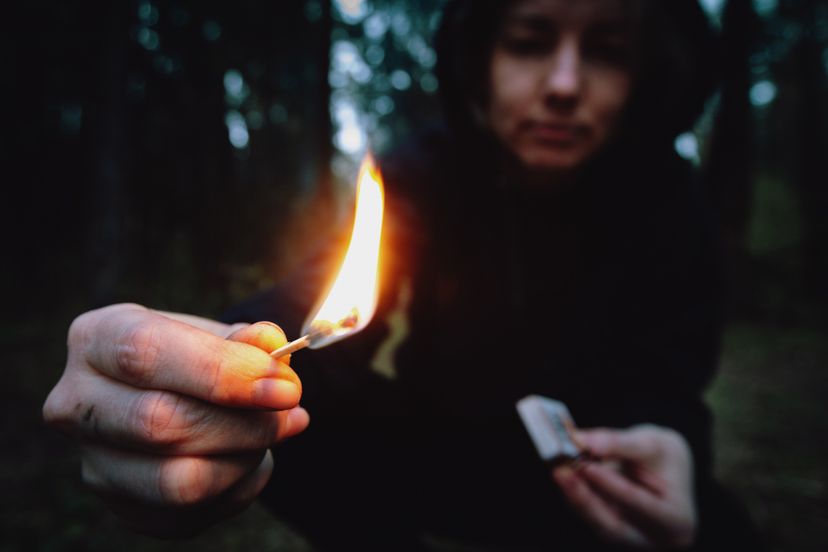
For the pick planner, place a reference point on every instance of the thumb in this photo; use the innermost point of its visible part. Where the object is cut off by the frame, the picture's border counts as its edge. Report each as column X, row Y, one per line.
column 635, row 443
column 264, row 335
column 268, row 337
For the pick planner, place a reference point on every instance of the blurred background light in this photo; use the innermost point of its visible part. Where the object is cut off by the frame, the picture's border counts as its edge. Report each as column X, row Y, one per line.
column 211, row 30
column 237, row 129
column 376, row 26
column 765, row 7
column 429, row 83
column 349, row 135
column 147, row 13
column 255, row 119
column 351, row 11
column 400, row 80
column 384, row 105
column 687, row 146
column 374, row 54
column 401, row 23
column 351, row 140
column 277, row 114
column 148, row 38
column 236, row 91
column 762, row 93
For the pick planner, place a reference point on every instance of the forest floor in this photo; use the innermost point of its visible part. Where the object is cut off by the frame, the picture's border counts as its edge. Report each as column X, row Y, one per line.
column 771, row 428
column 768, row 402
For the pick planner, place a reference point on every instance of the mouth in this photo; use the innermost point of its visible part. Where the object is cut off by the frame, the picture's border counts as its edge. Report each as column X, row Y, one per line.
column 554, row 134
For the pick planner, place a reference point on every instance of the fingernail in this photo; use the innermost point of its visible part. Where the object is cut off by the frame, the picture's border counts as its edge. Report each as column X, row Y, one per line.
column 274, row 393
column 266, row 325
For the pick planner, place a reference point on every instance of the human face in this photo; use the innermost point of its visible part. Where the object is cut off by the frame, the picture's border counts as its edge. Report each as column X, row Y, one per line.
column 561, row 75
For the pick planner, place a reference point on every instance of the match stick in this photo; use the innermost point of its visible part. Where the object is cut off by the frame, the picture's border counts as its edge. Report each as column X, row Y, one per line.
column 321, row 330
column 292, row 347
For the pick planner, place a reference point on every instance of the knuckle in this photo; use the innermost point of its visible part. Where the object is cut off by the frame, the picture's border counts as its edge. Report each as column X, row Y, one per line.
column 54, row 408
column 137, row 352
column 212, row 368
column 79, row 335
column 186, row 481
column 62, row 406
column 78, row 328
column 160, row 419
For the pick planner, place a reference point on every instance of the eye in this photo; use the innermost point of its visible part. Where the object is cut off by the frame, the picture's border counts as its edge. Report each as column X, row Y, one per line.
column 528, row 38
column 615, row 50
column 525, row 46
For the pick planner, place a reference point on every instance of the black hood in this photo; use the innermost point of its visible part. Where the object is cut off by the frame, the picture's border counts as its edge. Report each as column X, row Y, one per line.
column 679, row 68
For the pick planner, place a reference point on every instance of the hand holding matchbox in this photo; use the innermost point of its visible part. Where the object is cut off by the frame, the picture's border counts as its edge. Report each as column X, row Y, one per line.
column 635, row 484
column 550, row 427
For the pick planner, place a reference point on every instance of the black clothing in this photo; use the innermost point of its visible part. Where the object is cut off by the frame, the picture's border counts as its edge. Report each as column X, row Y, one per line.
column 608, row 295
column 605, row 295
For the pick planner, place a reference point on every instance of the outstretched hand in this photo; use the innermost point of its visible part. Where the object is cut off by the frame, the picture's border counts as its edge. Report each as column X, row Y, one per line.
column 640, row 493
column 174, row 417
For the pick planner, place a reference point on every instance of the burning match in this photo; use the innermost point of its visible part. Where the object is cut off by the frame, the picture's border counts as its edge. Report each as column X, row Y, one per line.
column 320, row 331
column 352, row 299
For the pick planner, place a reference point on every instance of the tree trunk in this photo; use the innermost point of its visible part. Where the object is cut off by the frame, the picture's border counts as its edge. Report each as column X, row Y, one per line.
column 811, row 152
column 106, row 251
column 729, row 170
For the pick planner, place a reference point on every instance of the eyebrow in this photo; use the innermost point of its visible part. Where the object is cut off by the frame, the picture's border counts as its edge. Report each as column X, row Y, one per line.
column 534, row 20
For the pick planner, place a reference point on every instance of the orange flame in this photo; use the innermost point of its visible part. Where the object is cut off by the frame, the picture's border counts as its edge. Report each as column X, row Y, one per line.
column 352, row 299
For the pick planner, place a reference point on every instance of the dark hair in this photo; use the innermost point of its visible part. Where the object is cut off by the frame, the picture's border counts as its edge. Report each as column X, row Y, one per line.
column 679, row 69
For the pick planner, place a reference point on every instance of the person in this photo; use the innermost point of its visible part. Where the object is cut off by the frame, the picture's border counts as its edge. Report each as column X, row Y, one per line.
column 546, row 241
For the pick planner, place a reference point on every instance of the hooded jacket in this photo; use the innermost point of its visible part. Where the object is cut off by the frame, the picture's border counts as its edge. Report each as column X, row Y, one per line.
column 606, row 296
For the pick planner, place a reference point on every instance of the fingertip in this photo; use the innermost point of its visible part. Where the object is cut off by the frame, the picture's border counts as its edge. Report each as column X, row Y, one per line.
column 298, row 420
column 277, row 394
column 563, row 475
column 292, row 422
column 264, row 335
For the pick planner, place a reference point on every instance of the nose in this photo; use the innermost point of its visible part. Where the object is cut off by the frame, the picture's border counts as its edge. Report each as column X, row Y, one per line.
column 562, row 82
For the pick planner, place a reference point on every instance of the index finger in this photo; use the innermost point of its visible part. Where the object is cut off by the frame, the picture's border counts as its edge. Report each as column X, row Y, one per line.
column 152, row 351
column 621, row 444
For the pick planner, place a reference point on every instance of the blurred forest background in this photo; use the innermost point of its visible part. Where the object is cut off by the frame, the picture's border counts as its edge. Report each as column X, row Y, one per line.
column 182, row 154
